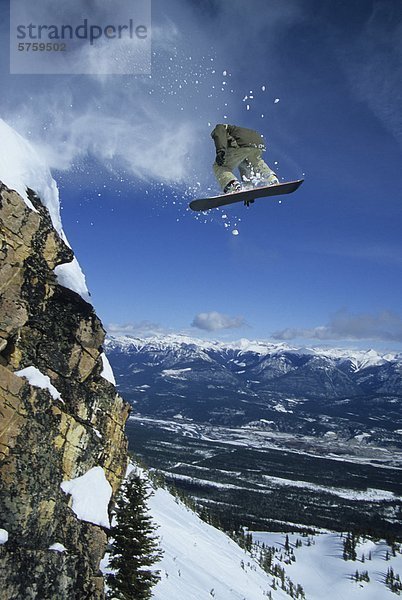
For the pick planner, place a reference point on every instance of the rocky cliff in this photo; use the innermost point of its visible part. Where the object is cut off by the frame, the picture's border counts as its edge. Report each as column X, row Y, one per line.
column 60, row 416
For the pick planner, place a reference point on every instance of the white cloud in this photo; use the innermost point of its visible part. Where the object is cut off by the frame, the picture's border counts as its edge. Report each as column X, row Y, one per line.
column 142, row 328
column 385, row 326
column 214, row 321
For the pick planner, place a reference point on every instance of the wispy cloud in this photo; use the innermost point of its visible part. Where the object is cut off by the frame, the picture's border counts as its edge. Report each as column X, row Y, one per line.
column 385, row 326
column 215, row 321
column 372, row 62
column 141, row 329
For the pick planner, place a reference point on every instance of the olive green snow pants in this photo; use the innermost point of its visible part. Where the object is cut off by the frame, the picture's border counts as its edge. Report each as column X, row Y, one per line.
column 249, row 162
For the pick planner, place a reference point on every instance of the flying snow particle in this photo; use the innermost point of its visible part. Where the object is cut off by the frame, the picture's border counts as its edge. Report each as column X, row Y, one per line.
column 224, row 73
column 235, row 232
column 263, row 88
column 276, row 100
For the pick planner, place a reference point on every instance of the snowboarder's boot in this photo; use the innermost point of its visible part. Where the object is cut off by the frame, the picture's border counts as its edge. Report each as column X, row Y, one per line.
column 272, row 179
column 232, row 186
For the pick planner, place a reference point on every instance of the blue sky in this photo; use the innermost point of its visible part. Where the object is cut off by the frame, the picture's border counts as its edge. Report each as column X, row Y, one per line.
column 129, row 152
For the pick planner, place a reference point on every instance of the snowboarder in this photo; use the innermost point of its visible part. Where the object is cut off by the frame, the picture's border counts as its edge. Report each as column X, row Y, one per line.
column 241, row 148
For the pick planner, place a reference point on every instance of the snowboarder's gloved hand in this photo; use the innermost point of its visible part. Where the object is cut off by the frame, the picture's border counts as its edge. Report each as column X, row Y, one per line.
column 220, row 158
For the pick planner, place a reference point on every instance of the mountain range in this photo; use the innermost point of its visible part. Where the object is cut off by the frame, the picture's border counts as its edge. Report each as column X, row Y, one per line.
column 312, row 391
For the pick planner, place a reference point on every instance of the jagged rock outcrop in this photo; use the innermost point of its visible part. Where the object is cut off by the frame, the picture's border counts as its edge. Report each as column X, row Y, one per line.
column 46, row 439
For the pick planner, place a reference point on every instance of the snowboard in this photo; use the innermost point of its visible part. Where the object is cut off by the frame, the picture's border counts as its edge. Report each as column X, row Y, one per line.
column 246, row 196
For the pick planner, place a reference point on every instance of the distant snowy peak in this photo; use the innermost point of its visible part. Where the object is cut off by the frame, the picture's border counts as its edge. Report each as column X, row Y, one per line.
column 357, row 359
column 22, row 167
column 175, row 341
column 371, row 358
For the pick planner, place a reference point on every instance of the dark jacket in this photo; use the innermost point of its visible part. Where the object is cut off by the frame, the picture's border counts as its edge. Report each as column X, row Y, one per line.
column 226, row 136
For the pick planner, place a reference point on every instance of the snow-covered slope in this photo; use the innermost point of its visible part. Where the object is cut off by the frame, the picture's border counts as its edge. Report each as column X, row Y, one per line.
column 201, row 562
column 21, row 167
column 323, row 573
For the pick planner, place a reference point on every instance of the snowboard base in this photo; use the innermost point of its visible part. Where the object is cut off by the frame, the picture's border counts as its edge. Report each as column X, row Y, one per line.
column 246, row 196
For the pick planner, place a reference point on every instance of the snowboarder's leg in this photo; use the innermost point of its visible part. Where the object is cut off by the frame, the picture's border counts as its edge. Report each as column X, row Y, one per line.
column 256, row 170
column 224, row 174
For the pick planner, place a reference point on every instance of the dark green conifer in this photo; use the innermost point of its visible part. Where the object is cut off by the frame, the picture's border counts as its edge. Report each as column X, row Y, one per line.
column 134, row 548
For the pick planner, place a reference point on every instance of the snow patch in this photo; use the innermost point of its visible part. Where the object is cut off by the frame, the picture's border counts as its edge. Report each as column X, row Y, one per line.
column 368, row 495
column 57, row 547
column 38, row 380
column 70, row 276
column 107, row 372
column 175, row 373
column 97, row 433
column 3, row 536
column 280, row 408
column 91, row 495
column 362, row 436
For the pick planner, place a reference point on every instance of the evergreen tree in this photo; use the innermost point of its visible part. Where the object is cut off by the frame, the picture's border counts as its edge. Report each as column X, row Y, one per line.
column 135, row 547
column 349, row 547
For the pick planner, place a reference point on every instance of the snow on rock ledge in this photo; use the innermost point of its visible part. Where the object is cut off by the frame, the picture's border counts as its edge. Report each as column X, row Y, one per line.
column 21, row 168
column 107, row 371
column 37, row 379
column 91, row 495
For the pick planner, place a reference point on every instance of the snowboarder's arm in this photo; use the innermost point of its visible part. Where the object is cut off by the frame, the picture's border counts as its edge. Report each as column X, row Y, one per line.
column 219, row 135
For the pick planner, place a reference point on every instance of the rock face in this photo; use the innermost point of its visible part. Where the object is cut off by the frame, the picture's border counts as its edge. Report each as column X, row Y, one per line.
column 43, row 440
